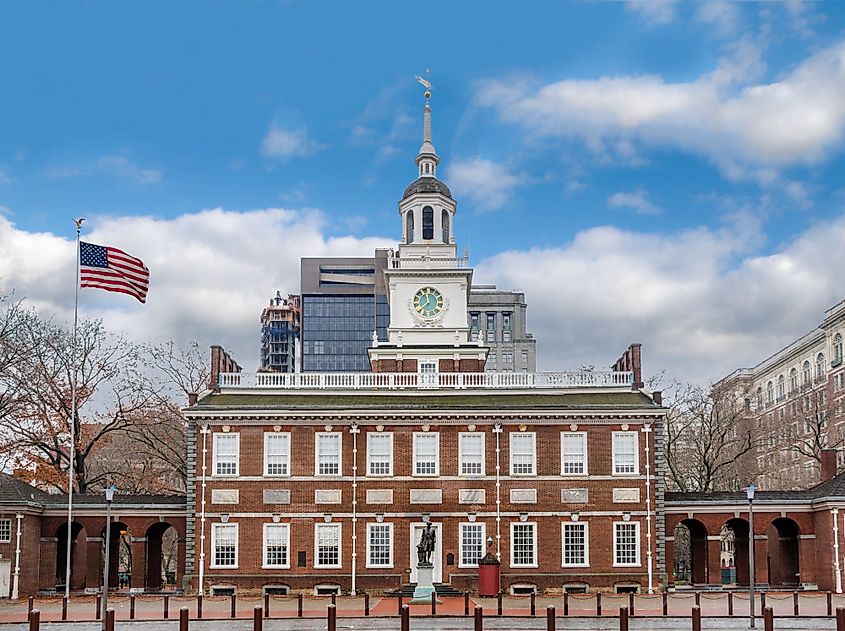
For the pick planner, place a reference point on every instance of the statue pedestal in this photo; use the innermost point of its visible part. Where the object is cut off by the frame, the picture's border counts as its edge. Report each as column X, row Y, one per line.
column 425, row 585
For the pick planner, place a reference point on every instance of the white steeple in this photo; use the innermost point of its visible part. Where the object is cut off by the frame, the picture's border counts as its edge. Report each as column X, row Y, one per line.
column 427, row 159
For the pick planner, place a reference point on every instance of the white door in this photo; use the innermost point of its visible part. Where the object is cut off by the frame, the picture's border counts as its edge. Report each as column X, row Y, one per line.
column 428, row 375
column 436, row 558
column 5, row 577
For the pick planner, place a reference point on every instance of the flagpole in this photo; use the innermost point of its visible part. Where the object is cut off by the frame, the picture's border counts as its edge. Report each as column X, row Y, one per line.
column 78, row 223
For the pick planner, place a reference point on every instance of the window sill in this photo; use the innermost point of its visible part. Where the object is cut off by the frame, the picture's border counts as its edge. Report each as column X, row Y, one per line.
column 523, row 475
column 626, row 475
column 222, row 567
column 464, row 567
column 276, row 475
column 379, row 567
column 586, row 474
column 425, row 475
column 524, row 567
column 225, row 475
column 379, row 475
column 627, row 565
column 328, row 567
column 276, row 567
column 578, row 565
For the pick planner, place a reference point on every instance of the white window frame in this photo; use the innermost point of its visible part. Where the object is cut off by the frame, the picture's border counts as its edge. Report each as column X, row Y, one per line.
column 370, row 436
column 317, row 437
column 636, row 525
column 533, row 436
column 461, row 458
column 417, row 435
column 339, row 528
column 514, row 524
column 286, row 456
column 389, row 526
column 636, row 437
column 264, row 562
column 215, row 438
column 5, row 530
column 563, row 471
column 461, row 541
column 586, row 528
column 221, row 526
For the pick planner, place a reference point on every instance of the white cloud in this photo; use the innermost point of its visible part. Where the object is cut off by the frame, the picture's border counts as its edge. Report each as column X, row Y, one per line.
column 698, row 301
column 722, row 14
column 654, row 12
column 114, row 166
column 489, row 185
column 211, row 272
column 287, row 143
column 637, row 200
column 749, row 129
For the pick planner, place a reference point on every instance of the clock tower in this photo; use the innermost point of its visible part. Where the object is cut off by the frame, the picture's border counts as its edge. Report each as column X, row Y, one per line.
column 428, row 284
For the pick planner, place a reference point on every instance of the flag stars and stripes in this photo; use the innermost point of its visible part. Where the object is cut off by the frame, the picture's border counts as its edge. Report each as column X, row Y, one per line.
column 111, row 269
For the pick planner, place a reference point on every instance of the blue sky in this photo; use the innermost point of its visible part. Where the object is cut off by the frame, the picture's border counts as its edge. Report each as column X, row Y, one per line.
column 558, row 124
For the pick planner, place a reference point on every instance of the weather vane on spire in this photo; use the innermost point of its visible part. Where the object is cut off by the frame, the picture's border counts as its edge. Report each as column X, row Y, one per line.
column 426, row 84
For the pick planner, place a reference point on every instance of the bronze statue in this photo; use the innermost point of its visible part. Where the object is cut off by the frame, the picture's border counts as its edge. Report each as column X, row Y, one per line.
column 425, row 548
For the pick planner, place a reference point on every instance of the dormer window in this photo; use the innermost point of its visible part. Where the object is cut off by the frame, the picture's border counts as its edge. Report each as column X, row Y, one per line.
column 428, row 223
column 444, row 220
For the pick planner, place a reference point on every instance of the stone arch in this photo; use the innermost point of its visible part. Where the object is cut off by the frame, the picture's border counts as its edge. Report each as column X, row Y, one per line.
column 736, row 529
column 427, row 223
column 78, row 555
column 162, row 569
column 444, row 222
column 783, row 552
column 691, row 553
column 409, row 226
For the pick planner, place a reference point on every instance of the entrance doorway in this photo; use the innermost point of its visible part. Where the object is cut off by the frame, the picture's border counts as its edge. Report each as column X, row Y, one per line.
column 436, row 558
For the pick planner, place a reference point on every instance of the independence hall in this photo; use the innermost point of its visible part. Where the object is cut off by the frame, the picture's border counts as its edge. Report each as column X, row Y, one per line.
column 324, row 482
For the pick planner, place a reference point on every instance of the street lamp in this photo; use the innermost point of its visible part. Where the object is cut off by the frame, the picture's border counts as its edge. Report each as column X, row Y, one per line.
column 109, row 497
column 750, row 494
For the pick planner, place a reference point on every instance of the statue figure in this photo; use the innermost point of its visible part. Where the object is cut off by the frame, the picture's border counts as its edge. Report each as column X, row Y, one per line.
column 425, row 548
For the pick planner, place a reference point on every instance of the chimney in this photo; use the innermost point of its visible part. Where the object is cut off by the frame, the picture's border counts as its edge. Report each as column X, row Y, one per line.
column 192, row 398
column 631, row 360
column 828, row 462
column 657, row 396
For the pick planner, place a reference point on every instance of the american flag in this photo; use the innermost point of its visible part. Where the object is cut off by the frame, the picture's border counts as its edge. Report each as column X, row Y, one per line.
column 105, row 267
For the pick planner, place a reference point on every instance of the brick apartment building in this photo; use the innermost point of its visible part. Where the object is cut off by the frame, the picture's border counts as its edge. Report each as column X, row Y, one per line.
column 325, row 481
column 796, row 404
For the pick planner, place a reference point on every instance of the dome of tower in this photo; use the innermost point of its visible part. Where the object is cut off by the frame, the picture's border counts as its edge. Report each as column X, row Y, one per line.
column 427, row 185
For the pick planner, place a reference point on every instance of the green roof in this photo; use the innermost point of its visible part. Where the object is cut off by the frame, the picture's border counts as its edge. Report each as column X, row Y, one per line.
column 416, row 401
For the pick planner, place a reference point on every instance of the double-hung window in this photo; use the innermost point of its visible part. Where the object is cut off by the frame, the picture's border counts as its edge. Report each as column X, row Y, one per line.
column 523, row 544
column 379, row 545
column 471, row 544
column 379, row 453
column 573, row 453
column 523, row 449
column 276, row 545
column 226, row 448
column 471, row 449
column 5, row 530
column 575, row 544
column 277, row 453
column 224, row 545
column 426, row 453
column 328, row 453
column 626, row 543
column 327, row 545
column 625, row 457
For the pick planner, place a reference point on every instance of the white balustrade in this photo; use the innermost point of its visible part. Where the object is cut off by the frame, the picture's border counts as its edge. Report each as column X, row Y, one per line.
column 412, row 380
column 427, row 262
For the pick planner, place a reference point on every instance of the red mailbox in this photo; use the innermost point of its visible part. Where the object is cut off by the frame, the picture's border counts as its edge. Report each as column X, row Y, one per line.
column 488, row 575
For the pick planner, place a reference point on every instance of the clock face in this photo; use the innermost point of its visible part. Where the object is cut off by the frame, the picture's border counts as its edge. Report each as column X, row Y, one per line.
column 428, row 302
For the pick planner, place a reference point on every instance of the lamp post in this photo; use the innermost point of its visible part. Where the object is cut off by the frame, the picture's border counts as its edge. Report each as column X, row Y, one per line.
column 109, row 497
column 750, row 494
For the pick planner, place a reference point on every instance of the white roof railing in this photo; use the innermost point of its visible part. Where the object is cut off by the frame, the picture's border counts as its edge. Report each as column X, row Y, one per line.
column 412, row 380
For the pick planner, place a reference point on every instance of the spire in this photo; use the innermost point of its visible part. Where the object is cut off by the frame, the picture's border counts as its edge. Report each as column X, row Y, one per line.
column 427, row 159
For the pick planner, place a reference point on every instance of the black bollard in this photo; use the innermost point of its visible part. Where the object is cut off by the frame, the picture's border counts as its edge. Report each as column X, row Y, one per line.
column 565, row 604
column 199, row 606
column 331, row 619
column 399, row 612
column 266, row 605
column 233, row 606
column 550, row 618
column 109, row 619
column 404, row 623
column 794, row 603
column 762, row 600
column 665, row 603
column 631, row 603
column 257, row 618
column 696, row 618
column 34, row 620
column 829, row 604
column 183, row 619
column 840, row 619
column 433, row 603
column 499, row 604
column 768, row 619
column 64, row 607
column 623, row 619
column 479, row 619
column 466, row 603
column 730, row 603
column 166, row 607
column 98, row 605
column 698, row 599
column 132, row 607
column 598, row 603
column 299, row 605
column 366, row 604
column 30, row 604
column 533, row 604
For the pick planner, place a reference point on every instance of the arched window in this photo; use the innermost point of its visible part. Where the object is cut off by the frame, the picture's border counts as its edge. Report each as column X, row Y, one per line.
column 806, row 374
column 793, row 381
column 444, row 219
column 819, row 365
column 409, row 226
column 837, row 349
column 770, row 392
column 781, row 387
column 428, row 223
column 759, row 398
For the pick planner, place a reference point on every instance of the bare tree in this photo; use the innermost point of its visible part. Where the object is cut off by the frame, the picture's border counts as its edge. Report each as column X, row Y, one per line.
column 709, row 439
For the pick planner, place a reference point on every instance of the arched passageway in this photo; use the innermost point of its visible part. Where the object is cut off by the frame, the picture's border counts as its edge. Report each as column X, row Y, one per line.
column 162, row 556
column 736, row 531
column 691, row 553
column 78, row 556
column 120, row 555
column 783, row 537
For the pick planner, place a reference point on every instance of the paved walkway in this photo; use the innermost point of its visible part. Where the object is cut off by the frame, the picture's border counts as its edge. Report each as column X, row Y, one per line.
column 444, row 624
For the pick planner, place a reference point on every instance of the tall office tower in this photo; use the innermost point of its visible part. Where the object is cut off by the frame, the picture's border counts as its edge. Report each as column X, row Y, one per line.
column 498, row 315
column 343, row 302
column 279, row 331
